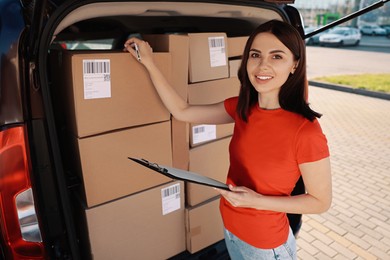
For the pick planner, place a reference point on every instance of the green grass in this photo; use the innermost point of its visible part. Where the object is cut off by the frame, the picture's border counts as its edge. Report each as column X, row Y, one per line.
column 372, row 82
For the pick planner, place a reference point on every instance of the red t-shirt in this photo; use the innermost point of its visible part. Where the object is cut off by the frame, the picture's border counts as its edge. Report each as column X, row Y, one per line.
column 265, row 154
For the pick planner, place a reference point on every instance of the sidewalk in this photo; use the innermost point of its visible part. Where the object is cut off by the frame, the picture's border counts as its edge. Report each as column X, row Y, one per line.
column 358, row 224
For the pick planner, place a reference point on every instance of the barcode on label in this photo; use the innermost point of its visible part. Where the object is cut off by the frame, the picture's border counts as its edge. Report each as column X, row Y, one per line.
column 217, row 51
column 216, row 42
column 96, row 66
column 199, row 129
column 170, row 198
column 203, row 133
column 171, row 191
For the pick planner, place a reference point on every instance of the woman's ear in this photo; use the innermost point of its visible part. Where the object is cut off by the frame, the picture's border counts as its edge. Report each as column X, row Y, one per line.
column 294, row 67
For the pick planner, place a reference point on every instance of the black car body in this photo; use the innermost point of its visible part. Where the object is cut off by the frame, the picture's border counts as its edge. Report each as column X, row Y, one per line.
column 39, row 216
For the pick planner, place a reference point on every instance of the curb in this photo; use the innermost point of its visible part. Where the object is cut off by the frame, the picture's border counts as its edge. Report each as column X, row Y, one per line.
column 344, row 88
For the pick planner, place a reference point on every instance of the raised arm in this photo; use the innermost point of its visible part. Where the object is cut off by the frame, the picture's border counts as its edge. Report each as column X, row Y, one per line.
column 179, row 108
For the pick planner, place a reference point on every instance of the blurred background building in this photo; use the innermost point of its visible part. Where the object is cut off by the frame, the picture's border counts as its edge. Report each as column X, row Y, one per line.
column 317, row 13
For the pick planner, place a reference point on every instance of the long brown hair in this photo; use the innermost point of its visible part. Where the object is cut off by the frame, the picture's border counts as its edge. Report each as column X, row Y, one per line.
column 292, row 95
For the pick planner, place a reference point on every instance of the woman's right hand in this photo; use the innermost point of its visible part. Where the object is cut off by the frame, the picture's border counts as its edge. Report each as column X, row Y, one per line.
column 145, row 51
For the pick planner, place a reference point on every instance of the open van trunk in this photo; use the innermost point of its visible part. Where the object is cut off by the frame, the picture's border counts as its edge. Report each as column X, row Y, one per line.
column 99, row 28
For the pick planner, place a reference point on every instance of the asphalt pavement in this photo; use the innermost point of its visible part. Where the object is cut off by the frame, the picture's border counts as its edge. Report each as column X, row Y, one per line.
column 323, row 61
column 357, row 226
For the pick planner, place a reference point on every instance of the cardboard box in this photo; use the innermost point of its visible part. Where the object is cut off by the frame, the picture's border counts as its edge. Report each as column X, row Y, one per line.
column 204, row 225
column 211, row 160
column 107, row 91
column 106, row 171
column 236, row 46
column 210, row 92
column 180, row 144
column 214, row 91
column 135, row 227
column 177, row 46
column 234, row 66
column 208, row 57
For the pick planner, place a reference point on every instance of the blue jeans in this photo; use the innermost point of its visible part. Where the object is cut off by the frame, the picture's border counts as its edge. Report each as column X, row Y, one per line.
column 240, row 250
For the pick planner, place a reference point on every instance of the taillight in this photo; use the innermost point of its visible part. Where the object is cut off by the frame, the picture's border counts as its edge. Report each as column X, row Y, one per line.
column 19, row 225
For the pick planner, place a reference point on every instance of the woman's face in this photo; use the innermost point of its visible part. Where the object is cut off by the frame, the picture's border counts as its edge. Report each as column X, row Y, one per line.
column 269, row 64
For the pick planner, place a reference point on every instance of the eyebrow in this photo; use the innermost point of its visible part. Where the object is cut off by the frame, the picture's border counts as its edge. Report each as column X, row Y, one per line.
column 273, row 51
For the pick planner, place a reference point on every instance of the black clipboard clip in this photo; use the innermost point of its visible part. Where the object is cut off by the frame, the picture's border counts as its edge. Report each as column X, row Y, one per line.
column 150, row 165
column 179, row 174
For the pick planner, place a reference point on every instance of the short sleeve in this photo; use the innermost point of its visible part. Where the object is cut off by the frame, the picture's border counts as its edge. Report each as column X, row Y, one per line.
column 311, row 143
column 231, row 105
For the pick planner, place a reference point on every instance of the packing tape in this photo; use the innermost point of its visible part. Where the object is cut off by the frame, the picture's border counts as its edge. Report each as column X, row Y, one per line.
column 196, row 231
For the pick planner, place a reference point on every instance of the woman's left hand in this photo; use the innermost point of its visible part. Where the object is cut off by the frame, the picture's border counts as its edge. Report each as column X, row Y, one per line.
column 240, row 196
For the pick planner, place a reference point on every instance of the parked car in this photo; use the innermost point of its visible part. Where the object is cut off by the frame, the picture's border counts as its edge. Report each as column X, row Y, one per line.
column 341, row 36
column 387, row 28
column 314, row 40
column 372, row 30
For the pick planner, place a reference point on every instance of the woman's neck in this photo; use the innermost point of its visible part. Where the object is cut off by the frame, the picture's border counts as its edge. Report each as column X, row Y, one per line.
column 268, row 103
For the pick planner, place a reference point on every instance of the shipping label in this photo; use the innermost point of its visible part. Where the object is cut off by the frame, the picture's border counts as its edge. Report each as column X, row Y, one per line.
column 97, row 78
column 170, row 198
column 217, row 51
column 203, row 133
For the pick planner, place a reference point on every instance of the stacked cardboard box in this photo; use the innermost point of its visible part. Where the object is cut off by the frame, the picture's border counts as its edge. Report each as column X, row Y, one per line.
column 146, row 225
column 236, row 50
column 209, row 144
column 208, row 58
column 113, row 111
column 211, row 78
column 177, row 46
column 236, row 46
column 108, row 91
column 210, row 92
column 200, row 61
column 203, row 225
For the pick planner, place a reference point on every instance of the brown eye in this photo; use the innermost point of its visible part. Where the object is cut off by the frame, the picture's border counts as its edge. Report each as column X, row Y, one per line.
column 254, row 55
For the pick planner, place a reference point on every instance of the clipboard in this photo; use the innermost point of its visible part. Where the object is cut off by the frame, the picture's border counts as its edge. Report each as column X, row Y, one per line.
column 182, row 175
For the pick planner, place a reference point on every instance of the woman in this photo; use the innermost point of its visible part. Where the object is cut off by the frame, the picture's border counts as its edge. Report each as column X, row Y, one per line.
column 276, row 139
